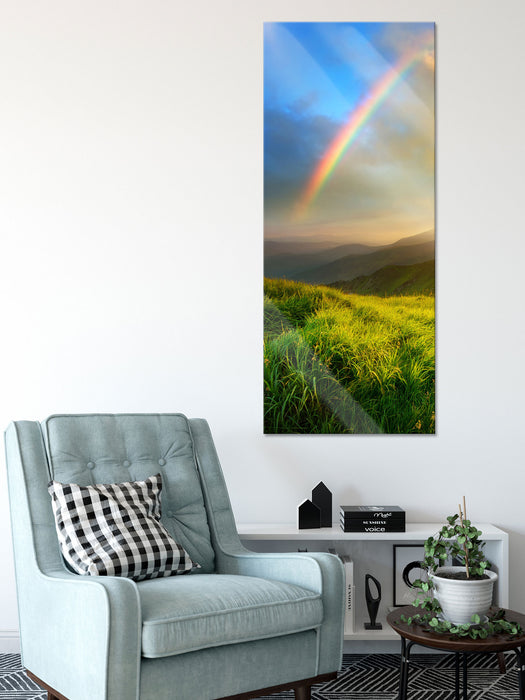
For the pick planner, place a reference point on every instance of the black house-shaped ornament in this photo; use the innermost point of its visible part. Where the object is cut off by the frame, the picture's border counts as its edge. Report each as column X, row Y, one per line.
column 308, row 516
column 322, row 498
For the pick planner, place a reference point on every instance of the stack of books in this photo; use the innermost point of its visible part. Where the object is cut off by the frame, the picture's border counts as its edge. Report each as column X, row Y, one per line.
column 372, row 519
column 349, row 623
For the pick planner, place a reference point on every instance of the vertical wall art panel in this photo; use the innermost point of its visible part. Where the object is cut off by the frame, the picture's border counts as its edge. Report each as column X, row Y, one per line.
column 349, row 228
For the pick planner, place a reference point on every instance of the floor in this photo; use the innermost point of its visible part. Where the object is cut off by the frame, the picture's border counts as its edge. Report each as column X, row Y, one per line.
column 363, row 677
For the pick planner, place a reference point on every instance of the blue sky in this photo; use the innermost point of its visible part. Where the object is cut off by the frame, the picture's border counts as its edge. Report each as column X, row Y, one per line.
column 315, row 75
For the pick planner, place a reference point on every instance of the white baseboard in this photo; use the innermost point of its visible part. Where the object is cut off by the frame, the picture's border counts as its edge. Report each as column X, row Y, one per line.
column 9, row 642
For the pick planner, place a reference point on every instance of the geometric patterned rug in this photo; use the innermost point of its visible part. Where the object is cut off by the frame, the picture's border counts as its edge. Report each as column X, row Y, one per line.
column 432, row 677
column 13, row 681
column 363, row 677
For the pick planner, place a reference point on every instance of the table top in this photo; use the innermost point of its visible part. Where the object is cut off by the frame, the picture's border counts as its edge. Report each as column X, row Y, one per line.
column 419, row 635
column 413, row 532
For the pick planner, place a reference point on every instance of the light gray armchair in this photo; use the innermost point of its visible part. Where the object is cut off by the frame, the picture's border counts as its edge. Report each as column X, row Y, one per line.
column 244, row 625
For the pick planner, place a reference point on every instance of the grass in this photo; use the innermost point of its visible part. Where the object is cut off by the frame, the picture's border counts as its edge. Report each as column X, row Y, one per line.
column 347, row 363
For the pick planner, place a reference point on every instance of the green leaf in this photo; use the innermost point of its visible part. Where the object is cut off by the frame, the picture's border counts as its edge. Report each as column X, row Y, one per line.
column 476, row 619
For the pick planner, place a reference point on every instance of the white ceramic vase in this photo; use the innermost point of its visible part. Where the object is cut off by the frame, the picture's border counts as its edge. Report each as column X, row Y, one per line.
column 460, row 600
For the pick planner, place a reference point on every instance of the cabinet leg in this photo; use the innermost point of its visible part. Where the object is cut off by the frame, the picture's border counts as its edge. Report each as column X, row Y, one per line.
column 405, row 666
column 465, row 689
column 520, row 664
column 401, row 694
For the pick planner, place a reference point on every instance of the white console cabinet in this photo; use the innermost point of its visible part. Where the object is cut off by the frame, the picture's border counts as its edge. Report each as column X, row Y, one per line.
column 373, row 553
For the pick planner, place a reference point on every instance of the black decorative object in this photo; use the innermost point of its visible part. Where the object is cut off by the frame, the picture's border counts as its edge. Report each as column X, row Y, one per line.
column 308, row 516
column 322, row 498
column 372, row 603
column 407, row 568
column 413, row 566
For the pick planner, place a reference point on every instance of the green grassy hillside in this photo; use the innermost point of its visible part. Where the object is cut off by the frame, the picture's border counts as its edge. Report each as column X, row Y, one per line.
column 347, row 363
column 394, row 280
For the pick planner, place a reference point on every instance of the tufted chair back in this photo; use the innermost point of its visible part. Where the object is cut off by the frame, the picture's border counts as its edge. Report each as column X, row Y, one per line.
column 103, row 449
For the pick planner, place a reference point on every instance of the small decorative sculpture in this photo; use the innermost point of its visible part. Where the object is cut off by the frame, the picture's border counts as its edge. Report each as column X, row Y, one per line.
column 322, row 498
column 308, row 516
column 372, row 603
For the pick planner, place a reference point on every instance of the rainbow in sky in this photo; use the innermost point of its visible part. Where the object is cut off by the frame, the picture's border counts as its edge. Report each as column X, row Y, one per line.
column 367, row 107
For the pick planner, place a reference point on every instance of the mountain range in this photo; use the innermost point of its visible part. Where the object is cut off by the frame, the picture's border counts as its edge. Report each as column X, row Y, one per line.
column 395, row 280
column 335, row 263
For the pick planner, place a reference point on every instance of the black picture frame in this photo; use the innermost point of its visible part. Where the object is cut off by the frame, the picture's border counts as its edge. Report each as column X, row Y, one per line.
column 405, row 556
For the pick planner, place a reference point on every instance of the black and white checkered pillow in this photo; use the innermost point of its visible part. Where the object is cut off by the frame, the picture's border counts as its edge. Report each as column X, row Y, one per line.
column 115, row 530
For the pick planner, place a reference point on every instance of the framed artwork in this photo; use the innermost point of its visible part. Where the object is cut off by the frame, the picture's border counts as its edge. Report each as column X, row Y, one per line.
column 406, row 570
column 349, row 233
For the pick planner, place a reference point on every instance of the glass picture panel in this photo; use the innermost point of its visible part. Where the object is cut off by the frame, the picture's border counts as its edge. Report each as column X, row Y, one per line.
column 349, row 232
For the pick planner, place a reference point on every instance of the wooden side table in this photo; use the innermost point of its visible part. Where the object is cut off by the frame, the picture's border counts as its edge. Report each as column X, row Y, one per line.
column 460, row 646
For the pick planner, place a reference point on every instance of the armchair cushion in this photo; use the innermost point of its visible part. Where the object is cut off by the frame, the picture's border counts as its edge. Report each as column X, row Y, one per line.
column 115, row 530
column 184, row 614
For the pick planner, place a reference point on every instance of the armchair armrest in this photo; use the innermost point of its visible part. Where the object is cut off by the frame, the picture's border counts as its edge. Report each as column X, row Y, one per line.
column 320, row 572
column 82, row 635
column 298, row 568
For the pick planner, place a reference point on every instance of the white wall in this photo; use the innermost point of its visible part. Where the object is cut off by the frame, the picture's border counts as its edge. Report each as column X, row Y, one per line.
column 131, row 258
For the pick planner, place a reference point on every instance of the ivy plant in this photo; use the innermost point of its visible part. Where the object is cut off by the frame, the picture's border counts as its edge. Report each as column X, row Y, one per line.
column 496, row 624
column 458, row 541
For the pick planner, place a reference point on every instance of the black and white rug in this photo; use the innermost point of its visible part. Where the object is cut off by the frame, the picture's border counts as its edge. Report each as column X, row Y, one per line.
column 13, row 681
column 363, row 677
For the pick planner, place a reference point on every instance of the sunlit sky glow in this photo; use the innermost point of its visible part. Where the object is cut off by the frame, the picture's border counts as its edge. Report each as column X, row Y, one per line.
column 318, row 79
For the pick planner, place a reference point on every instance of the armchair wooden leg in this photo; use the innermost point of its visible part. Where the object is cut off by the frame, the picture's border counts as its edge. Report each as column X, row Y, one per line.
column 303, row 693
column 52, row 694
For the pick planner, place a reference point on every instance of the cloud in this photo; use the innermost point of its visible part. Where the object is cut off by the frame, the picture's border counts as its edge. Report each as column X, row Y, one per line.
column 399, row 38
column 386, row 175
column 383, row 185
column 384, row 180
column 293, row 144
